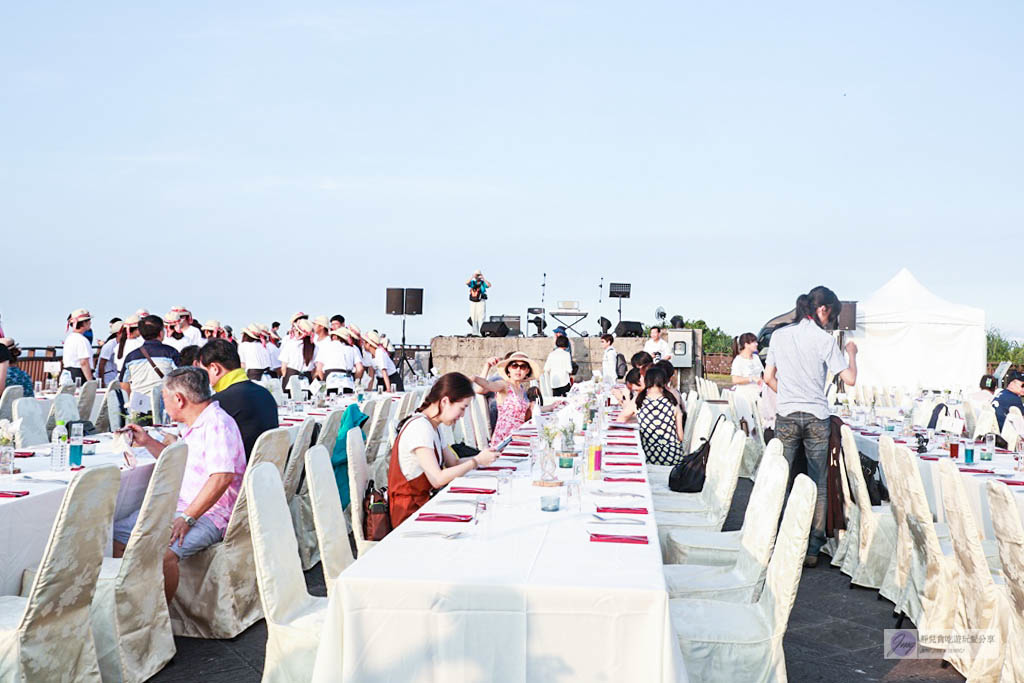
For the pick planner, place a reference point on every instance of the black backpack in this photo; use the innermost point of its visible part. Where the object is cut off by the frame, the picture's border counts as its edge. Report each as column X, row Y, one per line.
column 620, row 366
column 689, row 475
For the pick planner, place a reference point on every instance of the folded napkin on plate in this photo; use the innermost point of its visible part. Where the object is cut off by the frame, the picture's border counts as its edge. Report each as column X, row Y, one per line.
column 869, row 433
column 1002, row 451
column 624, row 479
column 23, row 454
column 621, row 425
column 469, row 489
column 898, row 441
column 441, row 517
column 491, row 468
column 624, row 511
column 616, row 538
column 90, row 441
column 1013, row 482
column 13, row 494
column 618, row 463
column 973, row 470
column 929, row 457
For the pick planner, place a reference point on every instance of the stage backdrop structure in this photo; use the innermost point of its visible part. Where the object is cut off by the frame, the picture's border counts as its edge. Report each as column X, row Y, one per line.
column 909, row 337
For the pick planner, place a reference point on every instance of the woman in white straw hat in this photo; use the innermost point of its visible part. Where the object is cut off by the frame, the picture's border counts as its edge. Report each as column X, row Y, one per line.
column 253, row 354
column 298, row 355
column 107, row 369
column 321, row 329
column 77, row 352
column 388, row 376
column 338, row 363
column 514, row 408
column 128, row 340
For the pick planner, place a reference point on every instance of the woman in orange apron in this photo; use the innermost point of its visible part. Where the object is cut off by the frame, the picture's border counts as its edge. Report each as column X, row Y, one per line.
column 419, row 464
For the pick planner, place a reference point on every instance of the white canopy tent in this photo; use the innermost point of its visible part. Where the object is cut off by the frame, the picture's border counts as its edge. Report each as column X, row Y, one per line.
column 909, row 337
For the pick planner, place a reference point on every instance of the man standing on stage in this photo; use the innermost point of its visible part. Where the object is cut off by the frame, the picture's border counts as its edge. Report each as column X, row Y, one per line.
column 477, row 300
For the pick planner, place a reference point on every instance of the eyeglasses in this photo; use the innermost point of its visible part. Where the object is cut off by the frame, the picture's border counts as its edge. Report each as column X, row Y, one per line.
column 519, row 366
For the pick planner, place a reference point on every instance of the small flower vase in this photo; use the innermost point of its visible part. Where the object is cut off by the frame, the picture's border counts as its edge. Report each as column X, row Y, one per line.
column 548, row 466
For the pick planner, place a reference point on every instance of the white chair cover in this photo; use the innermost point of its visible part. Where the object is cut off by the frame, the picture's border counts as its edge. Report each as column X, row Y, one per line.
column 156, row 403
column 970, row 417
column 329, row 430
column 742, row 580
column 718, row 466
column 294, row 617
column 295, row 387
column 358, row 476
column 28, row 424
column 47, row 636
column 298, row 501
column 273, row 385
column 1009, row 533
column 377, row 432
column 872, row 538
column 481, row 423
column 1010, row 434
column 726, row 641
column 7, row 399
column 331, row 532
column 987, row 423
column 64, row 407
column 700, row 428
column 87, row 398
column 895, row 584
column 130, row 622
column 217, row 596
column 692, row 546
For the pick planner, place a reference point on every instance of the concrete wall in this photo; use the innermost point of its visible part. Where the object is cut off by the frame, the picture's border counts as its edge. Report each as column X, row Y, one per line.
column 468, row 354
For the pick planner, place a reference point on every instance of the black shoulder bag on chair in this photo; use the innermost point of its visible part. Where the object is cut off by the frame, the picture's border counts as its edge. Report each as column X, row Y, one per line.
column 688, row 476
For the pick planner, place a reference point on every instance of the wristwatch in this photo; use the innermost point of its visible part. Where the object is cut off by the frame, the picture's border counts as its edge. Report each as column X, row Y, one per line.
column 191, row 521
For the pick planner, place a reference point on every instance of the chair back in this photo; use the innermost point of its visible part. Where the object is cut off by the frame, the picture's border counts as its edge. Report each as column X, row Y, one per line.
column 274, row 548
column 30, row 429
column 329, row 431
column 376, row 433
column 405, row 405
column 723, row 469
column 986, row 423
column 761, row 518
column 64, row 407
column 786, row 565
column 7, row 399
column 328, row 517
column 87, row 398
column 481, row 423
column 64, row 584
column 447, row 435
column 115, row 420
column 143, row 556
column 1009, row 532
column 970, row 417
column 273, row 385
column 358, row 477
column 156, row 403
column 700, row 428
column 296, row 457
column 295, row 387
column 272, row 447
column 898, row 507
column 1009, row 433
column 854, row 474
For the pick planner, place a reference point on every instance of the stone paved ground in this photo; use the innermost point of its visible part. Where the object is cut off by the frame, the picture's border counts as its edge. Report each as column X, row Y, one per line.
column 835, row 634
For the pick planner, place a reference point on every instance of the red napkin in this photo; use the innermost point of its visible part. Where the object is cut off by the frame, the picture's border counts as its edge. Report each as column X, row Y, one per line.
column 898, row 441
column 23, row 454
column 624, row 511
column 624, row 479
column 1013, row 482
column 470, row 489
column 491, row 468
column 13, row 494
column 621, row 452
column 440, row 517
column 869, row 433
column 90, row 441
column 615, row 538
column 79, row 467
column 929, row 457
column 1002, row 451
column 625, row 464
column 317, row 414
column 518, row 443
column 620, row 426
column 972, row 470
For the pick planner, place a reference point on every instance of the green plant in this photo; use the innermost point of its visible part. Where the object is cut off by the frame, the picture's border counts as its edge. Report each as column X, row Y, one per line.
column 999, row 348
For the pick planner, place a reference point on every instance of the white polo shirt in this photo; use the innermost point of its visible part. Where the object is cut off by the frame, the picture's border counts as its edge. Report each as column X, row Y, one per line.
column 383, row 361
column 558, row 368
column 194, row 336
column 129, row 346
column 254, row 356
column 608, row 362
column 76, row 349
column 177, row 344
column 659, row 350
column 275, row 356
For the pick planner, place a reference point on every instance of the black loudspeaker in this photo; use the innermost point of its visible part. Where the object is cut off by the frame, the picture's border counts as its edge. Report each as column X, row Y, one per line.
column 629, row 328
column 848, row 316
column 514, row 323
column 396, row 301
column 494, row 329
column 414, row 301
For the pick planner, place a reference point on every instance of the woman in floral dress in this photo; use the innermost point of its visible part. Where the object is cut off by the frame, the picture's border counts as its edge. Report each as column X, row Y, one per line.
column 515, row 373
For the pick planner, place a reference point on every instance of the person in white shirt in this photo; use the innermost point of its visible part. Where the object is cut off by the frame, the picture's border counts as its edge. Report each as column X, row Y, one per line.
column 298, row 356
column 746, row 365
column 982, row 398
column 658, row 346
column 558, row 367
column 128, row 339
column 321, row 329
column 106, row 371
column 387, row 374
column 173, row 334
column 77, row 352
column 609, row 358
column 274, row 351
column 211, row 329
column 338, row 362
column 193, row 335
column 365, row 358
column 253, row 354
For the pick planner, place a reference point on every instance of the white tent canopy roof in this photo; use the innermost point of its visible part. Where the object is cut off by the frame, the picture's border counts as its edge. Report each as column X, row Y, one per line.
column 904, row 300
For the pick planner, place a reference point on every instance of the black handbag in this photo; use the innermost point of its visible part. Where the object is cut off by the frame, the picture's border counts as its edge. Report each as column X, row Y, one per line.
column 688, row 476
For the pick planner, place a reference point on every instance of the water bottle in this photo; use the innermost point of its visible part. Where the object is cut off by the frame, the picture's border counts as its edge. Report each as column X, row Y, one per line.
column 75, row 441
column 59, row 448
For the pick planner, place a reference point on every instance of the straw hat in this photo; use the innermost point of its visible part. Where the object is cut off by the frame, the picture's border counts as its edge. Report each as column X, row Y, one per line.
column 141, row 313
column 131, row 321
column 299, row 315
column 80, row 314
column 179, row 309
column 341, row 332
column 354, row 331
column 322, row 321
column 304, row 326
column 172, row 316
column 535, row 368
column 211, row 325
column 252, row 331
column 372, row 338
column 116, row 326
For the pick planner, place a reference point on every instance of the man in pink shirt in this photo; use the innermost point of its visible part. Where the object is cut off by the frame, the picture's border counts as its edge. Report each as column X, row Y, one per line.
column 213, row 473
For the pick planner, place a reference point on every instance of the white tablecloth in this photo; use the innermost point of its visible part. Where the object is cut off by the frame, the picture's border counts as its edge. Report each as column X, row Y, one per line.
column 526, row 596
column 974, row 483
column 26, row 521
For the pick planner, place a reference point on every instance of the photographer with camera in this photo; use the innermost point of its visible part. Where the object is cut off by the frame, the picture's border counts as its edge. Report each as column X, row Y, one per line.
column 477, row 300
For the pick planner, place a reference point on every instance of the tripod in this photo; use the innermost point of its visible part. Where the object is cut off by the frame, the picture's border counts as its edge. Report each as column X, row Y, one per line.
column 404, row 360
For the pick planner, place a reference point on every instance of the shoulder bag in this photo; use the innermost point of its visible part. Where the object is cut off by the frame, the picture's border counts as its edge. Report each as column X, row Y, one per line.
column 689, row 475
column 376, row 517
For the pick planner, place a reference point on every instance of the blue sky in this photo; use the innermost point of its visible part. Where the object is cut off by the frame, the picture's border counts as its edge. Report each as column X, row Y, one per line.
column 250, row 160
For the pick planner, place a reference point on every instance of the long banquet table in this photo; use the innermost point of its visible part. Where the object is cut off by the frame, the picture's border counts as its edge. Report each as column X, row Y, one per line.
column 523, row 595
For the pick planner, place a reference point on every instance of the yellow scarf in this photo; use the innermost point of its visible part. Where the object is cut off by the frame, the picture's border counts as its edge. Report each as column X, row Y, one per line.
column 233, row 377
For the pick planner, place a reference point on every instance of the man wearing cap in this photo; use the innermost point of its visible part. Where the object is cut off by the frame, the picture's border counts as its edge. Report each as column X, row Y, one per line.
column 477, row 300
column 338, row 363
column 1009, row 397
column 193, row 336
column 146, row 366
column 128, row 340
column 77, row 352
column 173, row 336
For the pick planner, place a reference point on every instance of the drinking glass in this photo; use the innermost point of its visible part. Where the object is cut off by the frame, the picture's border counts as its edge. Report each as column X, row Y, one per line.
column 78, row 383
column 504, row 486
column 954, row 448
column 573, row 496
column 37, row 387
column 6, row 462
column 990, row 446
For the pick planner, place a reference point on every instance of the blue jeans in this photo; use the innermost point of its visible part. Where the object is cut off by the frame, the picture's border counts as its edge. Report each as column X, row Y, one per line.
column 803, row 428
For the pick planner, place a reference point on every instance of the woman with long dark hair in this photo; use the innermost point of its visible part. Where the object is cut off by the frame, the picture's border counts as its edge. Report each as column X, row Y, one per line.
column 746, row 364
column 298, row 354
column 419, row 463
column 660, row 419
column 107, row 370
column 801, row 356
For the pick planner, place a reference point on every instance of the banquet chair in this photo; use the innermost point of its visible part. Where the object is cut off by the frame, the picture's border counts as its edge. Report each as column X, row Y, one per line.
column 156, row 403
column 87, row 399
column 715, row 498
column 358, row 476
column 665, row 499
column 329, row 430
column 1009, row 434
column 29, row 427
column 64, row 407
column 67, row 388
column 721, row 548
column 7, row 399
column 464, row 427
column 328, row 518
column 699, row 427
column 376, row 433
column 295, row 388
column 872, row 533
column 47, row 636
column 1009, row 532
column 404, row 405
column 480, row 422
column 981, row 604
column 217, row 595
column 294, row 617
column 739, row 577
column 115, row 419
column 130, row 621
column 447, row 435
column 732, row 641
column 970, row 417
column 298, row 498
column 369, row 407
column 986, row 423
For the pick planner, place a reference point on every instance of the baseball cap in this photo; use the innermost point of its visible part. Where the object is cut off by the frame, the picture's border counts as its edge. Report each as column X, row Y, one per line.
column 1012, row 375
